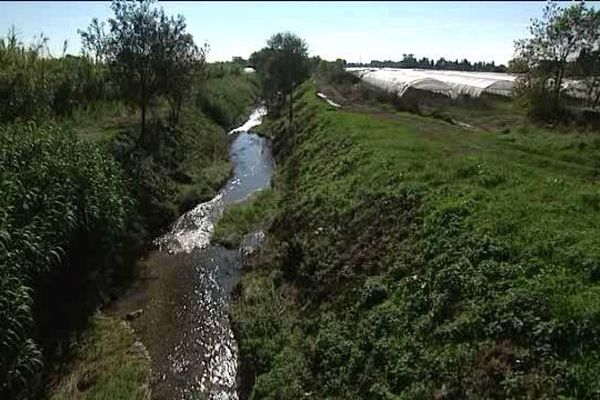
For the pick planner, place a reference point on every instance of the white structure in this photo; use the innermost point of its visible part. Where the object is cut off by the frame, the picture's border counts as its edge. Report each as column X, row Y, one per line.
column 449, row 83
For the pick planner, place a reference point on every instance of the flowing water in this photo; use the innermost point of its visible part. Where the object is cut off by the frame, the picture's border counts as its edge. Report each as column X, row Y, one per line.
column 208, row 352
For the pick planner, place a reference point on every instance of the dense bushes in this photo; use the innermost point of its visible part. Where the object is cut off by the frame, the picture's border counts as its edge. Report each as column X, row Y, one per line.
column 55, row 191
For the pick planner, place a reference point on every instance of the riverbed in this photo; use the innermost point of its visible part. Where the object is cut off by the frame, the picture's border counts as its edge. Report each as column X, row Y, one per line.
column 186, row 284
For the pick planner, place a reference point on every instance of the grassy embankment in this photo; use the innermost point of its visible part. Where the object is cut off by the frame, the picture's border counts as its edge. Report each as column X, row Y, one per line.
column 410, row 258
column 191, row 163
column 110, row 364
column 189, row 168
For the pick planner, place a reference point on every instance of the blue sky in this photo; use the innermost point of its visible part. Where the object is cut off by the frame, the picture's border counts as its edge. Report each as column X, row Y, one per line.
column 351, row 30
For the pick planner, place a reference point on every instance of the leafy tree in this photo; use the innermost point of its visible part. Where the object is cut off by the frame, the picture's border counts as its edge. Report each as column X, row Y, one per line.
column 587, row 64
column 558, row 37
column 148, row 54
column 93, row 40
column 518, row 66
column 282, row 65
column 179, row 60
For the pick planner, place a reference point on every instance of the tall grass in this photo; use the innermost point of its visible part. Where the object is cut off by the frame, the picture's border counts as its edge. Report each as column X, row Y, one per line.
column 56, row 192
column 35, row 85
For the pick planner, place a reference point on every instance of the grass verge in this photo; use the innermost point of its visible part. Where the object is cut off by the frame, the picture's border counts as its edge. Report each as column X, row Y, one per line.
column 252, row 214
column 108, row 363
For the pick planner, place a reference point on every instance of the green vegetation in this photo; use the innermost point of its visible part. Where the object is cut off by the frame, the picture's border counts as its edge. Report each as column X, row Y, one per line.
column 250, row 215
column 282, row 66
column 409, row 61
column 108, row 363
column 64, row 223
column 147, row 55
column 83, row 192
column 228, row 94
column 412, row 258
column 564, row 43
column 34, row 86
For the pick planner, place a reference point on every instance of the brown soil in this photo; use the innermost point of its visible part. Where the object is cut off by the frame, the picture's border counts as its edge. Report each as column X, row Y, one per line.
column 163, row 293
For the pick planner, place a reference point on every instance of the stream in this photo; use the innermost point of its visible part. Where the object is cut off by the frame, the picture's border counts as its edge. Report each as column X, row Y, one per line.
column 207, row 353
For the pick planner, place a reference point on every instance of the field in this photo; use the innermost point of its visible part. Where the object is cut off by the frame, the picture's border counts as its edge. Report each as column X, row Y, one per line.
column 410, row 257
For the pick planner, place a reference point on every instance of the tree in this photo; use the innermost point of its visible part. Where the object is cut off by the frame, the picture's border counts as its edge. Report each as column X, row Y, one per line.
column 178, row 62
column 587, row 65
column 147, row 54
column 556, row 38
column 518, row 66
column 93, row 40
column 282, row 65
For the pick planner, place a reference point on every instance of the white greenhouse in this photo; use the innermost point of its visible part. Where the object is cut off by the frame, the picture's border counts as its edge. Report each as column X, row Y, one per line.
column 449, row 83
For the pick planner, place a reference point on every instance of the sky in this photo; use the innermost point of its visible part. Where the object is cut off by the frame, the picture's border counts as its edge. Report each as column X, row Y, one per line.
column 354, row 31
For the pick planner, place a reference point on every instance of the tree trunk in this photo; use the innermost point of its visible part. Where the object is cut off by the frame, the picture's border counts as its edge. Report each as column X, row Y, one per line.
column 590, row 92
column 558, row 82
column 143, row 136
column 596, row 100
column 291, row 106
column 178, row 110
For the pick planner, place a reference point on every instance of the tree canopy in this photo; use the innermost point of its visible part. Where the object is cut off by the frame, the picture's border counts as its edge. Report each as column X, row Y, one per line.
column 148, row 54
column 564, row 42
column 282, row 65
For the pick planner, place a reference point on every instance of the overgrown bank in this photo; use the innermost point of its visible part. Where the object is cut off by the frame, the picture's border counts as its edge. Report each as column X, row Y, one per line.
column 82, row 197
column 411, row 258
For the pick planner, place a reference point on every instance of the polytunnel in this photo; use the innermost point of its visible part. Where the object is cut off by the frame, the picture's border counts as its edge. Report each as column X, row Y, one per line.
column 399, row 81
column 449, row 83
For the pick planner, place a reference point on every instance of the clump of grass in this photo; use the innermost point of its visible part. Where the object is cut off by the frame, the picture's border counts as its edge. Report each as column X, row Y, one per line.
column 239, row 219
column 109, row 363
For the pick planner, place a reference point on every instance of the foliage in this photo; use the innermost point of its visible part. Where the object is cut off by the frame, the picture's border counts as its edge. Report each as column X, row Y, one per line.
column 282, row 65
column 180, row 63
column 335, row 73
column 227, row 95
column 409, row 61
column 407, row 261
column 56, row 191
column 108, row 363
column 245, row 217
column 34, row 86
column 562, row 36
column 147, row 53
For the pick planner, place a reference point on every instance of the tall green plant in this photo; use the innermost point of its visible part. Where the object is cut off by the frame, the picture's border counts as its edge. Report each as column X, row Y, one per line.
column 51, row 186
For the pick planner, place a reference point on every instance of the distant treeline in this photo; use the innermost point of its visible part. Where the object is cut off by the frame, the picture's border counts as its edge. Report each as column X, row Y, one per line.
column 409, row 61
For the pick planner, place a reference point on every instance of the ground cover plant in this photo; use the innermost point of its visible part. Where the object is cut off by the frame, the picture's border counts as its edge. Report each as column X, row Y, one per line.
column 414, row 258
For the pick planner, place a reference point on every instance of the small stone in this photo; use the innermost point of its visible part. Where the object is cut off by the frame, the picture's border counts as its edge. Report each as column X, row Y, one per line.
column 134, row 314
